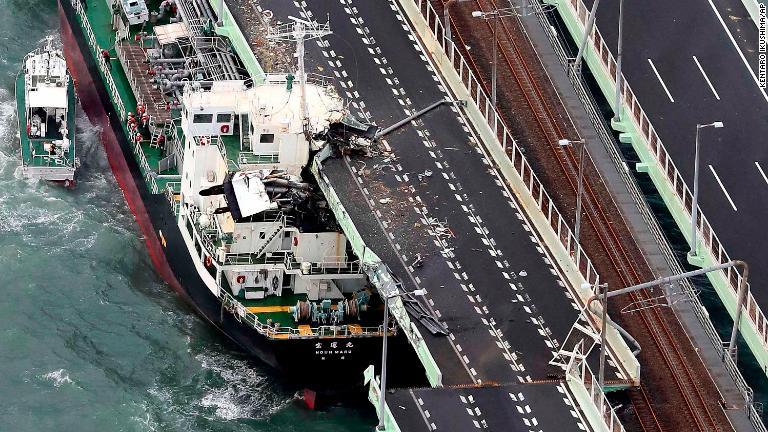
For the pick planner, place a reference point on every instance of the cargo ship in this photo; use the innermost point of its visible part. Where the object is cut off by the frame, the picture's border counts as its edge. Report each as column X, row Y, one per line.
column 45, row 106
column 215, row 167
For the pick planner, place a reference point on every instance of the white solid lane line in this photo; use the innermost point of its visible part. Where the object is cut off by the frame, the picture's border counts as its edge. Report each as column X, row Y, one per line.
column 722, row 187
column 762, row 173
column 706, row 78
column 741, row 54
column 660, row 80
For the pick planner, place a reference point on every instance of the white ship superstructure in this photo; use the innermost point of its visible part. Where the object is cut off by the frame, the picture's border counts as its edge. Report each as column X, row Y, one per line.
column 259, row 230
column 46, row 110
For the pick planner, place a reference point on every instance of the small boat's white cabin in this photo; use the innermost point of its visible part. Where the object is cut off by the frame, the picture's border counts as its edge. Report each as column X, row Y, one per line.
column 46, row 100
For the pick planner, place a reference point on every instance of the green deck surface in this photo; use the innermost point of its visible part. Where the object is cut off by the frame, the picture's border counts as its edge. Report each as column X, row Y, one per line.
column 232, row 145
column 99, row 16
column 284, row 318
column 28, row 143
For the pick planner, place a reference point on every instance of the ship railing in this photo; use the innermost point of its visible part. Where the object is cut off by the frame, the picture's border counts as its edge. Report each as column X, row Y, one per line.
column 230, row 303
column 251, row 158
column 206, row 237
column 176, row 138
column 173, row 194
column 189, row 218
column 232, row 165
column 335, row 265
column 203, row 140
column 50, row 160
column 209, row 234
column 312, row 78
column 149, row 174
column 203, row 236
column 259, row 256
column 96, row 52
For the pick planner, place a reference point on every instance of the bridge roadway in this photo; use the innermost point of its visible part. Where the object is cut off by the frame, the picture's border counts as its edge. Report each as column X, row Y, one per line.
column 488, row 277
column 516, row 408
column 701, row 77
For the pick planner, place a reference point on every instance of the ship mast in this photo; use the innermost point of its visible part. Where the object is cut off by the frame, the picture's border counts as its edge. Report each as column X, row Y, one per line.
column 300, row 31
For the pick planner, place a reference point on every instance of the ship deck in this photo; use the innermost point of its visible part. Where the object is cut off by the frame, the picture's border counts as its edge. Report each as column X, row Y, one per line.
column 148, row 156
column 33, row 153
column 277, row 309
column 133, row 59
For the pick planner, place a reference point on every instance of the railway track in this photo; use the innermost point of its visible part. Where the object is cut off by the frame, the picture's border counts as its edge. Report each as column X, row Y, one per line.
column 667, row 351
column 642, row 406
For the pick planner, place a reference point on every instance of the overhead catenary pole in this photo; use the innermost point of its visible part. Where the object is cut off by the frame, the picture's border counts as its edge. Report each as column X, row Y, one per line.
column 580, row 192
column 675, row 278
column 580, row 188
column 416, row 115
column 603, row 341
column 447, row 18
column 585, row 37
column 495, row 15
column 495, row 55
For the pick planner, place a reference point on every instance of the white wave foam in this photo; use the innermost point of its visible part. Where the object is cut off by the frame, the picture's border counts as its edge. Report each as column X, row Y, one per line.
column 246, row 392
column 58, row 377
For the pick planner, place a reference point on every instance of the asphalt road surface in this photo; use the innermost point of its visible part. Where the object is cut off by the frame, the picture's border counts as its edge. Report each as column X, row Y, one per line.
column 488, row 276
column 695, row 62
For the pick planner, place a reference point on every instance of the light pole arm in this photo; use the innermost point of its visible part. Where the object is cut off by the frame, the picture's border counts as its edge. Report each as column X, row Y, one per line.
column 447, row 19
column 674, row 278
column 741, row 294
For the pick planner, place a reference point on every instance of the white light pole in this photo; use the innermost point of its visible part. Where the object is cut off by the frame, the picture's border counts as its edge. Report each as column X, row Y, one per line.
column 383, row 390
column 619, row 51
column 447, row 17
column 694, row 206
column 585, row 37
column 495, row 15
column 580, row 191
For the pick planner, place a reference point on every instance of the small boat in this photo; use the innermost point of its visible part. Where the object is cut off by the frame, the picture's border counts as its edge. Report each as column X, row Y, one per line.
column 45, row 102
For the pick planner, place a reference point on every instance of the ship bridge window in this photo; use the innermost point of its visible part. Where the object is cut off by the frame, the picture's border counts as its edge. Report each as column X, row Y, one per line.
column 202, row 118
column 223, row 118
column 267, row 138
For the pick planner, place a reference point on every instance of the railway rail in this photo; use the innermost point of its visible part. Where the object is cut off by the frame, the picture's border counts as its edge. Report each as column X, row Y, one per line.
column 667, row 350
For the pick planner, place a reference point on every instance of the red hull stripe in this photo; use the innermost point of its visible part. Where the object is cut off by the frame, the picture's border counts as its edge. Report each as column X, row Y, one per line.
column 91, row 103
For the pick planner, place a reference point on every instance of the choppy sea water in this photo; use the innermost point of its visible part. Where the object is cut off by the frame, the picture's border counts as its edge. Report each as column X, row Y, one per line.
column 90, row 338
